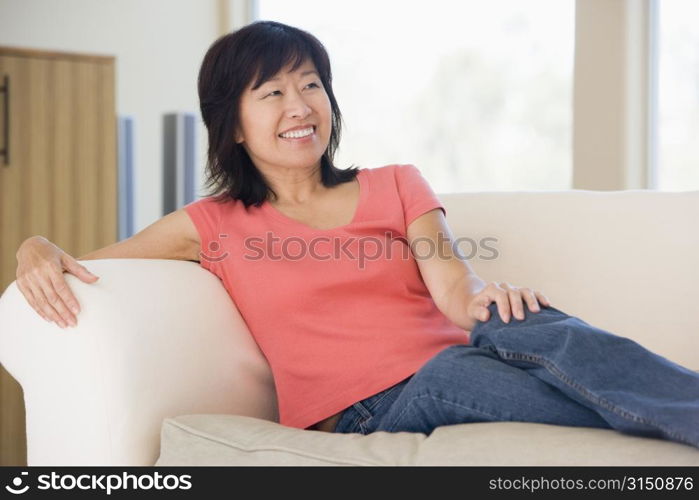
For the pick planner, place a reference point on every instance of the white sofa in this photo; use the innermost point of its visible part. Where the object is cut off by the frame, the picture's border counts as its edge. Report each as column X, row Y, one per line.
column 162, row 370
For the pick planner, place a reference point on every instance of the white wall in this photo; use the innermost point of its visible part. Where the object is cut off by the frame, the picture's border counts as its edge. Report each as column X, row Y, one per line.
column 158, row 44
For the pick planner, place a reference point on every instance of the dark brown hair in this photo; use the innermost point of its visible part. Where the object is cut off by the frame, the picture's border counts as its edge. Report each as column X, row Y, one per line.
column 257, row 51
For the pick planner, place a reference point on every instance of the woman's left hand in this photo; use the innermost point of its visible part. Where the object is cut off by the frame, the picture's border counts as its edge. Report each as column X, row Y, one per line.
column 510, row 300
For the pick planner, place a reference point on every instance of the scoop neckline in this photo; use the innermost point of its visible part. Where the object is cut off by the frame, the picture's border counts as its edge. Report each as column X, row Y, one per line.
column 363, row 192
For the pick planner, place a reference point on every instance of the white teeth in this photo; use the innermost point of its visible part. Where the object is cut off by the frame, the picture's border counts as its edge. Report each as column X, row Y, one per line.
column 297, row 134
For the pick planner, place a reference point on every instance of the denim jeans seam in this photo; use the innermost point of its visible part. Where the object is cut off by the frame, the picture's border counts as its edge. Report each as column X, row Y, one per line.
column 355, row 421
column 362, row 427
column 363, row 411
column 422, row 396
column 353, row 424
column 557, row 372
column 385, row 393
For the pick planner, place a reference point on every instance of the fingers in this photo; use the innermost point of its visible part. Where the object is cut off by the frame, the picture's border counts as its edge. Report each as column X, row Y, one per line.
column 503, row 302
column 29, row 295
column 482, row 312
column 48, row 294
column 62, row 300
column 542, row 299
column 529, row 296
column 40, row 277
column 493, row 293
column 532, row 298
column 41, row 305
column 510, row 301
column 74, row 267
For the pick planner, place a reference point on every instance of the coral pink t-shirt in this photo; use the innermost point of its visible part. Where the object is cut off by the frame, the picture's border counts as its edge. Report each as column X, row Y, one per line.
column 340, row 314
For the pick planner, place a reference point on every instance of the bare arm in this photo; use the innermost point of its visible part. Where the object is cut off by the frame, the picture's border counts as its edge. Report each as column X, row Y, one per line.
column 172, row 237
column 451, row 280
column 458, row 292
column 41, row 264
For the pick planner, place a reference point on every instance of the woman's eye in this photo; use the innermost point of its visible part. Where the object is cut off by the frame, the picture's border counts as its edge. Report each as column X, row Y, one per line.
column 315, row 84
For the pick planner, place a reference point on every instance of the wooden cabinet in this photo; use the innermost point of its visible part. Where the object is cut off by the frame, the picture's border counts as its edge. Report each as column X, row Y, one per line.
column 58, row 175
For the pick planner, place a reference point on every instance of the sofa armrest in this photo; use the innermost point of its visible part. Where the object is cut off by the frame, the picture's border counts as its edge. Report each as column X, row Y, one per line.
column 155, row 339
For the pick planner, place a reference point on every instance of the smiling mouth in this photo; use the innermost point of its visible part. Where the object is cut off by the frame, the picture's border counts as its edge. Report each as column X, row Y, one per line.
column 302, row 137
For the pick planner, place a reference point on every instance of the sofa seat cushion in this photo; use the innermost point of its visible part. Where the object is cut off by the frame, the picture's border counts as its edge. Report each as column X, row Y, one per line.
column 242, row 440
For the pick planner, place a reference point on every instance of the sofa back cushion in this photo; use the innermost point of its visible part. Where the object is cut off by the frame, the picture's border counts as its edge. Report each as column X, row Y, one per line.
column 625, row 261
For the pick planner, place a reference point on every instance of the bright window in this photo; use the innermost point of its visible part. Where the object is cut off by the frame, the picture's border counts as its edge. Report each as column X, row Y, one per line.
column 678, row 95
column 477, row 94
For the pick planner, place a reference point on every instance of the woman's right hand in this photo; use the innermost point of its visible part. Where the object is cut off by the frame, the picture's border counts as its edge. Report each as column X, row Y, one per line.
column 40, row 267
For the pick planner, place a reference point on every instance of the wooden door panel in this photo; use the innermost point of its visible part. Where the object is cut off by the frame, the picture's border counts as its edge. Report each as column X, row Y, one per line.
column 86, row 156
column 16, row 216
column 108, row 184
column 65, row 143
column 61, row 182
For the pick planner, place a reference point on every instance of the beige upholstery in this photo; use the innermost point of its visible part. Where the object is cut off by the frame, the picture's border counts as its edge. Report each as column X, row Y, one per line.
column 161, row 351
column 239, row 440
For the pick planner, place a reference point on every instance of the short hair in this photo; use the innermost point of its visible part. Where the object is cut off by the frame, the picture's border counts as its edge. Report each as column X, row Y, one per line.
column 256, row 52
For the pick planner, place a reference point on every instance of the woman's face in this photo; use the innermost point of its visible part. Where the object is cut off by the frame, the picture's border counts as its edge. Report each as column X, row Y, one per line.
column 286, row 101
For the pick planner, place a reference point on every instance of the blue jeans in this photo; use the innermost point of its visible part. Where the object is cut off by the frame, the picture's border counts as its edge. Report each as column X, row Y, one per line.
column 549, row 368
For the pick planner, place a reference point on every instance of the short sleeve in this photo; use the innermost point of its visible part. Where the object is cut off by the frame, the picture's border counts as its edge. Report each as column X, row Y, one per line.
column 415, row 193
column 206, row 216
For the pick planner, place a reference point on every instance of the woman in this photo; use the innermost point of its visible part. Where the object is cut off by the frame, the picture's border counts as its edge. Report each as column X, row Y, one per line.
column 350, row 284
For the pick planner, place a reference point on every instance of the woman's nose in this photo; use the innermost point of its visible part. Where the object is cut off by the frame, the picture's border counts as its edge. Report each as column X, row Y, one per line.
column 297, row 106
